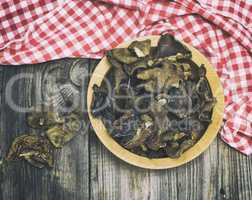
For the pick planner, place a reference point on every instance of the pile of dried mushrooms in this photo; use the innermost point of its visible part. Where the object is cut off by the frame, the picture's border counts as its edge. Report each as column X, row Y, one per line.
column 57, row 130
column 158, row 102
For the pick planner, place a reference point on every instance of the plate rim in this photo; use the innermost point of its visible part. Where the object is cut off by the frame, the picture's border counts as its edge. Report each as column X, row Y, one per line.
column 159, row 163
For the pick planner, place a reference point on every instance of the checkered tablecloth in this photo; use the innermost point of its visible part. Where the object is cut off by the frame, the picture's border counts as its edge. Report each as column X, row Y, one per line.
column 35, row 31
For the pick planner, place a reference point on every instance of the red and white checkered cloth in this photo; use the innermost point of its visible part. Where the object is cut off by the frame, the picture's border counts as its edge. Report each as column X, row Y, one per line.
column 35, row 31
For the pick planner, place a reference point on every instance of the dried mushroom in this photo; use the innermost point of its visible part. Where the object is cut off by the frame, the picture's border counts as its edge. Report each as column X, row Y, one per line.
column 175, row 150
column 33, row 148
column 43, row 120
column 141, row 48
column 119, row 77
column 119, row 74
column 60, row 134
column 142, row 133
column 124, row 126
column 100, row 102
column 59, row 137
column 124, row 55
column 169, row 46
column 206, row 112
column 138, row 65
column 72, row 123
column 159, row 79
column 161, row 102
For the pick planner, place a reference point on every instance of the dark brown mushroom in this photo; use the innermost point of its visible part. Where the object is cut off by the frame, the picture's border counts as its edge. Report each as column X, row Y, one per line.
column 142, row 133
column 43, row 120
column 141, row 48
column 123, row 55
column 33, row 148
column 169, row 46
column 159, row 79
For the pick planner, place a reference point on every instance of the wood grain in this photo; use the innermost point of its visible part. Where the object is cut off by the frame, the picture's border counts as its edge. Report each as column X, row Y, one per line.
column 69, row 179
column 98, row 175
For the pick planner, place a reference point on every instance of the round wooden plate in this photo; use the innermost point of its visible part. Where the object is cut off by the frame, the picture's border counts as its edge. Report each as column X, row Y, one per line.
column 161, row 163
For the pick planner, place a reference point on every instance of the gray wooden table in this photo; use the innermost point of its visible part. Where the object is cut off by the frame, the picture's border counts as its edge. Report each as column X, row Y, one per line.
column 84, row 169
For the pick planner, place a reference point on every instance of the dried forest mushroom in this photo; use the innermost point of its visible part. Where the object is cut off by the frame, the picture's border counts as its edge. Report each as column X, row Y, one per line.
column 169, row 46
column 59, row 137
column 179, row 102
column 142, row 133
column 124, row 55
column 43, row 120
column 206, row 112
column 175, row 150
column 141, row 48
column 159, row 79
column 119, row 74
column 100, row 101
column 162, row 103
column 34, row 149
column 72, row 123
column 155, row 143
column 138, row 65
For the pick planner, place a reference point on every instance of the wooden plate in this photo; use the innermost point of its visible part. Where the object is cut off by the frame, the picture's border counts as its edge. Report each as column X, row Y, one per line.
column 161, row 163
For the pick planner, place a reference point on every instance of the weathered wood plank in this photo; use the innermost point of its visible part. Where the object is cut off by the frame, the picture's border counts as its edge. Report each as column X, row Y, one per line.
column 69, row 179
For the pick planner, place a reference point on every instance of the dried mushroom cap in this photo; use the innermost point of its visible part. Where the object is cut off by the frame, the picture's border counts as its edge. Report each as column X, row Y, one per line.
column 142, row 133
column 194, row 68
column 140, row 64
column 173, row 136
column 175, row 150
column 172, row 150
column 114, row 62
column 123, row 55
column 118, row 123
column 187, row 70
column 169, row 46
column 155, row 143
column 32, row 148
column 99, row 101
column 125, row 125
column 72, row 123
column 119, row 76
column 204, row 90
column 205, row 114
column 179, row 102
column 43, row 120
column 162, row 78
column 202, row 70
column 59, row 137
column 141, row 48
column 185, row 145
column 178, row 58
column 178, row 136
